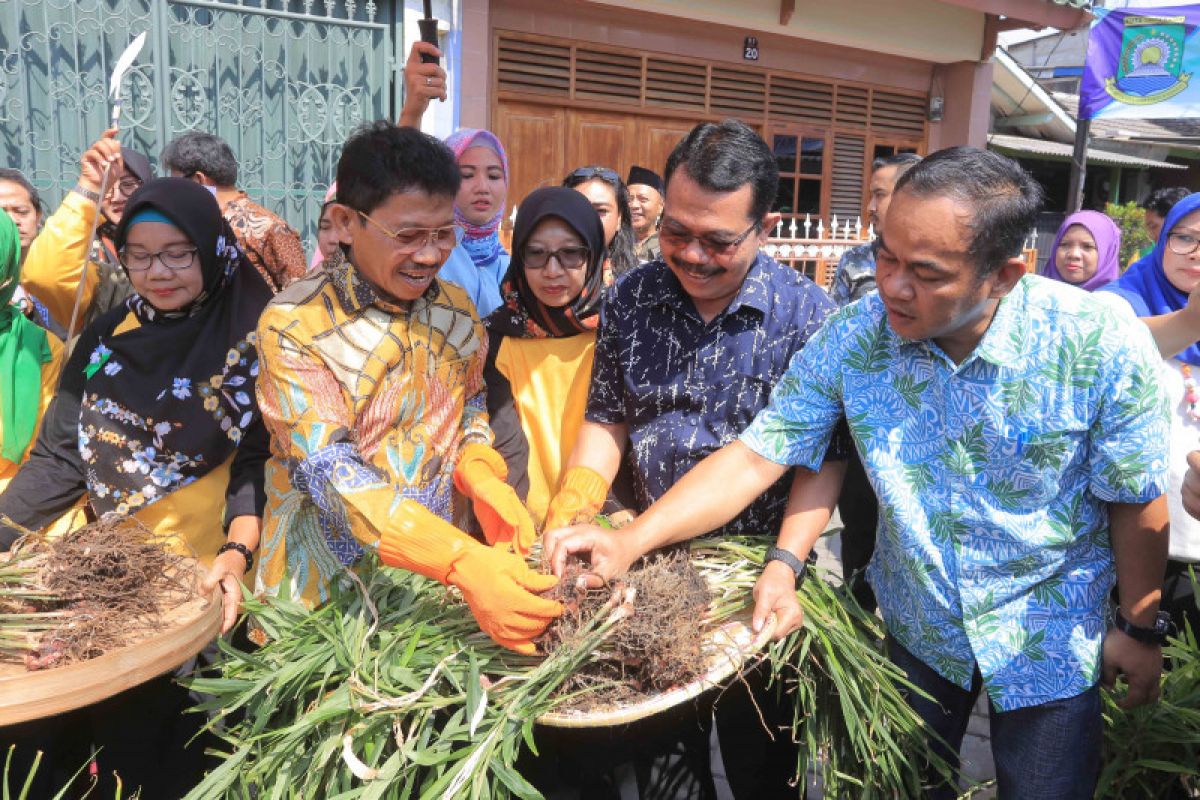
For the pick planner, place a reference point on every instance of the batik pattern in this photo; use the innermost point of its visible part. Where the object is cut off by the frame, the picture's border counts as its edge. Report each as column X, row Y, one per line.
column 367, row 404
column 686, row 388
column 270, row 244
column 855, row 275
column 993, row 476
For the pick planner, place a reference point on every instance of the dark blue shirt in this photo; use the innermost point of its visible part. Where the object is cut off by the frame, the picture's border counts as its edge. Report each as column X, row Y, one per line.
column 686, row 388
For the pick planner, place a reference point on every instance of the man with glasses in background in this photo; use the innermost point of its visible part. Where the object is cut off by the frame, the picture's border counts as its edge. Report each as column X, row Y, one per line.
column 372, row 390
column 56, row 258
column 687, row 352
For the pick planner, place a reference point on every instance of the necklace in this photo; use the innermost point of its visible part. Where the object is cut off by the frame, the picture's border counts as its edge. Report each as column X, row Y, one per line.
column 1191, row 393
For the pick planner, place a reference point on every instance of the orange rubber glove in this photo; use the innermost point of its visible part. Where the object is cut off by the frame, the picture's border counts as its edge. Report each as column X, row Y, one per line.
column 498, row 586
column 581, row 495
column 480, row 476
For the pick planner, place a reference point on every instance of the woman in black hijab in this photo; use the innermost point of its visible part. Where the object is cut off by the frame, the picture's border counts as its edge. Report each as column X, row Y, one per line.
column 543, row 338
column 156, row 417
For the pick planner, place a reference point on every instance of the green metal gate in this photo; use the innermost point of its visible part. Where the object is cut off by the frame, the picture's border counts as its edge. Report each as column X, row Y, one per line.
column 283, row 81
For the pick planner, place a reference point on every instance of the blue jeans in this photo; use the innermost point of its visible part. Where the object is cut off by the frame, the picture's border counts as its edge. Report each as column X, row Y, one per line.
column 1048, row 752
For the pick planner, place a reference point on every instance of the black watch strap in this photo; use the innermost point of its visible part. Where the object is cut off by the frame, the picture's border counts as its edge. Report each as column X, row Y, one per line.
column 1154, row 635
column 798, row 566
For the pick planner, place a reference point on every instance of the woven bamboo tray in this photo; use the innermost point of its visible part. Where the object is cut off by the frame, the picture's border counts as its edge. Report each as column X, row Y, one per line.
column 26, row 695
column 726, row 647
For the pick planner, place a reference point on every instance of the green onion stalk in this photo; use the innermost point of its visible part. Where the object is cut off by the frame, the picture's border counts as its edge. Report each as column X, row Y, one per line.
column 1154, row 750
column 389, row 690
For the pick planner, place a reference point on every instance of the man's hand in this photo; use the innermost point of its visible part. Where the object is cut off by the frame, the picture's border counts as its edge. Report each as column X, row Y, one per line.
column 610, row 553
column 1191, row 485
column 422, row 83
column 227, row 572
column 1141, row 664
column 775, row 593
column 105, row 153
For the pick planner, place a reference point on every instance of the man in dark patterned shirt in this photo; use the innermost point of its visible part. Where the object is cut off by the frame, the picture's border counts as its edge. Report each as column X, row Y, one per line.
column 688, row 349
column 855, row 274
column 272, row 245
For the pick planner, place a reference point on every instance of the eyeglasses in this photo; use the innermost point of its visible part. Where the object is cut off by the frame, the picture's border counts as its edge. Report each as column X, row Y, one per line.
column 1182, row 244
column 411, row 240
column 587, row 173
column 128, row 186
column 674, row 236
column 572, row 257
column 174, row 260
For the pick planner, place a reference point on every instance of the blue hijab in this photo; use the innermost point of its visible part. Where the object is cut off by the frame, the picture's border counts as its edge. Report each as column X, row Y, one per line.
column 1145, row 285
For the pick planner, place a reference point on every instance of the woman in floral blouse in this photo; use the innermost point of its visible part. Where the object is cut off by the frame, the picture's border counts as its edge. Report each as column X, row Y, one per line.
column 156, row 415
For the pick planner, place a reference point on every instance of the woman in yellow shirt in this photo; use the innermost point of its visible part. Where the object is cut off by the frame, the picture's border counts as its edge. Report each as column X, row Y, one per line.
column 30, row 361
column 543, row 338
column 156, row 417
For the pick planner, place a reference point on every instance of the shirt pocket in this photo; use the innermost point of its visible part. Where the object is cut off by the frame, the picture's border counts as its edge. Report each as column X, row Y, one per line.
column 734, row 405
column 1044, row 454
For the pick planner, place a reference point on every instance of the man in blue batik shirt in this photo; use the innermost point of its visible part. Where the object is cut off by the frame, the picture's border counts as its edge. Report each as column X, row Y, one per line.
column 1015, row 432
column 687, row 351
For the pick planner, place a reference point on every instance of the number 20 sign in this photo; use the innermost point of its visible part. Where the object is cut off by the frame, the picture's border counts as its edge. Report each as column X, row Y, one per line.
column 750, row 49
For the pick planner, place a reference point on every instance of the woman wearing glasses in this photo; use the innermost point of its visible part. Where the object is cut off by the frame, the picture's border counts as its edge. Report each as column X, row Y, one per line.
column 543, row 338
column 156, row 418
column 56, row 258
column 608, row 194
column 1164, row 290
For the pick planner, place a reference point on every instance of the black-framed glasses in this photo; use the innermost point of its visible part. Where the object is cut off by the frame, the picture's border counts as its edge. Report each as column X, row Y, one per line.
column 410, row 240
column 175, row 260
column 588, row 173
column 674, row 236
column 571, row 257
column 1182, row 244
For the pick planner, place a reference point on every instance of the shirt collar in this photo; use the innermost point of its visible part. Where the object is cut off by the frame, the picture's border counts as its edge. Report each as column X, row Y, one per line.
column 999, row 345
column 355, row 293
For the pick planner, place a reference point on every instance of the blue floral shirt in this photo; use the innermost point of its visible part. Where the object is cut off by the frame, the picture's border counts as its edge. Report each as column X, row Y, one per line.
column 685, row 387
column 993, row 476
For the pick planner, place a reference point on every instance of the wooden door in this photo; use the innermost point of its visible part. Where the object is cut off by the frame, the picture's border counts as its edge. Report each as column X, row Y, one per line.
column 535, row 138
column 598, row 138
column 656, row 138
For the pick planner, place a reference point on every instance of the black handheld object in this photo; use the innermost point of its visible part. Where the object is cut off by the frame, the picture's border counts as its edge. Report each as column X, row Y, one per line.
column 429, row 32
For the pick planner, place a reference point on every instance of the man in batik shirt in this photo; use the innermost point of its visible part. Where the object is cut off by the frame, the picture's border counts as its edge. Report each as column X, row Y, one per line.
column 372, row 390
column 272, row 245
column 1016, row 434
column 687, row 351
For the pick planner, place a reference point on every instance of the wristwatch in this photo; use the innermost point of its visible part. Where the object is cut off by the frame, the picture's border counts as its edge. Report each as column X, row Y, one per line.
column 779, row 554
column 1154, row 635
column 86, row 194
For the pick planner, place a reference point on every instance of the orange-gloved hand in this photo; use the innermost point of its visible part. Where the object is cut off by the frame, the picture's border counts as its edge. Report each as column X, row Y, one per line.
column 480, row 476
column 498, row 586
column 581, row 493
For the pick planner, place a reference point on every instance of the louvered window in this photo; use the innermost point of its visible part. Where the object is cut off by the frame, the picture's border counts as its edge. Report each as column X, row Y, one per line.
column 851, row 107
column 898, row 114
column 846, row 195
column 534, row 67
column 738, row 93
column 610, row 77
column 675, row 84
column 797, row 100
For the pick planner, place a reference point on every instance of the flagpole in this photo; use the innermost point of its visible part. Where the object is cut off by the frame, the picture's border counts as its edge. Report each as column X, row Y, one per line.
column 1078, row 166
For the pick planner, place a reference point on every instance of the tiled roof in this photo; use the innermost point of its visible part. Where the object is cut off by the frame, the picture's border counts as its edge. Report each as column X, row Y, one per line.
column 1043, row 147
column 1167, row 130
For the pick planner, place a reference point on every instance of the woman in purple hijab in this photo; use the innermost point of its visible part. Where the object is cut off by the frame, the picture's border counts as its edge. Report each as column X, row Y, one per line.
column 1085, row 251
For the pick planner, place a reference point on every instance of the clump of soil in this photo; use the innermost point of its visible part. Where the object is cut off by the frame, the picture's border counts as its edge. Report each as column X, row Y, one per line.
column 102, row 587
column 655, row 648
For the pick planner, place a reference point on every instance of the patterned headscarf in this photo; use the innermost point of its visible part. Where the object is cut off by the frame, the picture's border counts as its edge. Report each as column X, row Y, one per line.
column 522, row 314
column 23, row 350
column 1108, row 247
column 170, row 400
column 482, row 242
column 1145, row 285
